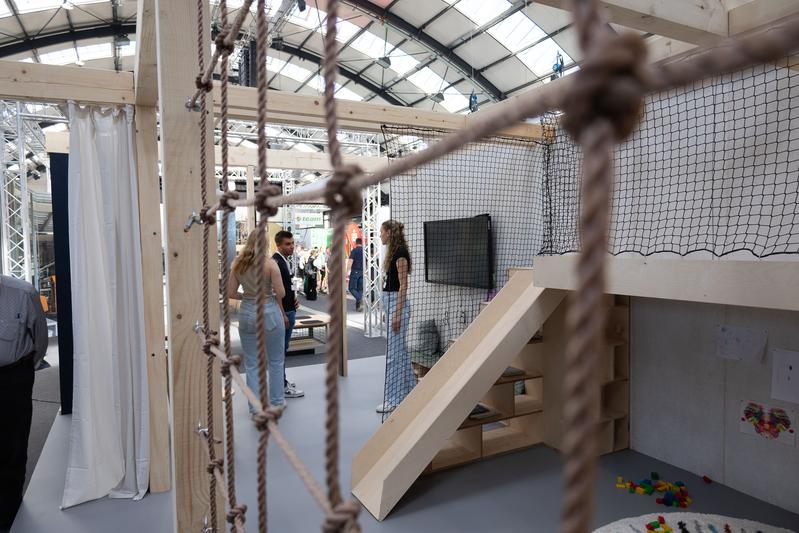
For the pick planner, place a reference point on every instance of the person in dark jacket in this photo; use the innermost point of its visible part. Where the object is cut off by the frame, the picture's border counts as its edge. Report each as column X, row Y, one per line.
column 284, row 240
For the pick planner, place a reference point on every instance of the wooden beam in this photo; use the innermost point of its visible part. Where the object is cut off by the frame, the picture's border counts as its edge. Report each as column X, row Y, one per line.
column 144, row 73
column 692, row 21
column 244, row 156
column 153, row 290
column 759, row 13
column 34, row 82
column 767, row 284
column 176, row 22
column 288, row 108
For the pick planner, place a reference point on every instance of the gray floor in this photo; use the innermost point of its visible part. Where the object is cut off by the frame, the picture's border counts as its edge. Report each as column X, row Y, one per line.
column 514, row 493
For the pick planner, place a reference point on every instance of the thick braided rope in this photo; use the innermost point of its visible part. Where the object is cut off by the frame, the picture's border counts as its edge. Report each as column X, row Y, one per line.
column 260, row 260
column 603, row 108
column 209, row 366
column 230, row 463
column 342, row 516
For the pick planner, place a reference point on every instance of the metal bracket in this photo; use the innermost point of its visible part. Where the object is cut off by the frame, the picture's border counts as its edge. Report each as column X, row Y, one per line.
column 202, row 430
column 195, row 107
column 194, row 218
column 207, row 528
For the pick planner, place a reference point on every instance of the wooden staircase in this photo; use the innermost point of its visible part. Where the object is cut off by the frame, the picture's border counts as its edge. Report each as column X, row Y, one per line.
column 388, row 464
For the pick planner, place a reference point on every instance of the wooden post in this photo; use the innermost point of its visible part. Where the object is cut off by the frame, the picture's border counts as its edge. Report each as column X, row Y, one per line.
column 250, row 194
column 153, row 290
column 176, row 30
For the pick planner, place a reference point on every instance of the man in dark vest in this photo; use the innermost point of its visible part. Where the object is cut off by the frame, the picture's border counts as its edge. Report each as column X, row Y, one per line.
column 285, row 250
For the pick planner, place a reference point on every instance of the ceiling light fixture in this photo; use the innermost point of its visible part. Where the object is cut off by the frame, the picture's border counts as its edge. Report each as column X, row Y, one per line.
column 123, row 40
column 66, row 4
column 80, row 62
column 384, row 61
column 437, row 97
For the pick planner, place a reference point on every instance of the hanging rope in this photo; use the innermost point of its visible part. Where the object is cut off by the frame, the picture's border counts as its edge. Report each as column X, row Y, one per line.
column 602, row 104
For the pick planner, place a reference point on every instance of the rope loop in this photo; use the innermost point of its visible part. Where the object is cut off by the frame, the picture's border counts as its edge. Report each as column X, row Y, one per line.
column 610, row 86
column 270, row 414
column 223, row 44
column 239, row 511
column 224, row 368
column 202, row 85
column 207, row 216
column 265, row 192
column 224, row 201
column 214, row 465
column 340, row 194
column 342, row 517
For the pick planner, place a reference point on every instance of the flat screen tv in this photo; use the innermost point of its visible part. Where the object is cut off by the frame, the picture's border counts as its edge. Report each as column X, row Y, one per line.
column 459, row 252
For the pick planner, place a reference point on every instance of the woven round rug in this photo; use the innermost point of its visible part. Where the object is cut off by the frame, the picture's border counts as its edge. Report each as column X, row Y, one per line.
column 694, row 523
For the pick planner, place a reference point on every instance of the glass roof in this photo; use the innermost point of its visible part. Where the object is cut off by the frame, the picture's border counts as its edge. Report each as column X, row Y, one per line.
column 400, row 58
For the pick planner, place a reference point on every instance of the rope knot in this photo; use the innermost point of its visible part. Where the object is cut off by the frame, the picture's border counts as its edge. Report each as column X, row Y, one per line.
column 205, row 86
column 262, row 199
column 213, row 465
column 223, row 44
column 341, row 194
column 236, row 512
column 210, row 340
column 224, row 201
column 610, row 86
column 270, row 414
column 342, row 517
column 207, row 216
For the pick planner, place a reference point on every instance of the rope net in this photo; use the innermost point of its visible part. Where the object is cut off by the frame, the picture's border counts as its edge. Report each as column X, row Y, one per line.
column 602, row 104
column 710, row 168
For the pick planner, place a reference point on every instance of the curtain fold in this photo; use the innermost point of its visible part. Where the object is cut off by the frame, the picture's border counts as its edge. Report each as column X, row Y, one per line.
column 109, row 436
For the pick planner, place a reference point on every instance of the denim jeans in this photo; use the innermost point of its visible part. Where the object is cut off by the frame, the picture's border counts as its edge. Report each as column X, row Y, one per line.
column 400, row 379
column 355, row 285
column 292, row 316
column 275, row 351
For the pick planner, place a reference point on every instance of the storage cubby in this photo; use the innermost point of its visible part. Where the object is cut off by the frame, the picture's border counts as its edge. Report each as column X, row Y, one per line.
column 522, row 420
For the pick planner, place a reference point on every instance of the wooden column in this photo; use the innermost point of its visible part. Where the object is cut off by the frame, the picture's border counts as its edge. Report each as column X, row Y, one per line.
column 250, row 194
column 176, row 30
column 153, row 290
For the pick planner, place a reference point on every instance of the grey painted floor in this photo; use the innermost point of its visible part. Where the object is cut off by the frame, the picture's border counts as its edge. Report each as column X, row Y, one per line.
column 514, row 493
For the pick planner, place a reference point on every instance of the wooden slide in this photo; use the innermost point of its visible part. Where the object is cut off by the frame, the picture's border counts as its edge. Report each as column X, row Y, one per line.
column 388, row 464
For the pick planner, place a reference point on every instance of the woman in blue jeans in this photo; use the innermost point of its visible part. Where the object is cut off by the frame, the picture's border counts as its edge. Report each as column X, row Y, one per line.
column 245, row 273
column 400, row 379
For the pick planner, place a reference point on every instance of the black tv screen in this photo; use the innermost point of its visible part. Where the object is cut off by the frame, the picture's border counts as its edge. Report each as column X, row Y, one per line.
column 459, row 252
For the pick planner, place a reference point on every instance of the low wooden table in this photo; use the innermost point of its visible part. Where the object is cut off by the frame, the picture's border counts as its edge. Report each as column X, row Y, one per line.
column 308, row 342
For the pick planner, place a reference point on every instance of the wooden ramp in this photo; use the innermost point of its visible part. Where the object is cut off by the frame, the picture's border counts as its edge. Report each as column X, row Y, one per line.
column 395, row 456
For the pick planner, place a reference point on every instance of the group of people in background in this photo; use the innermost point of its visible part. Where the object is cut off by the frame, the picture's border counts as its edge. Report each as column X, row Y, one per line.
column 281, row 306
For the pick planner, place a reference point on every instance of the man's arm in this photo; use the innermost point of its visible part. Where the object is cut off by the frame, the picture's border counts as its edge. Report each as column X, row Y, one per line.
column 37, row 324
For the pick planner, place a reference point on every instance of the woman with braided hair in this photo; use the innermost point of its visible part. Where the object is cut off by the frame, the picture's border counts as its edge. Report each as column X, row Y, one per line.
column 400, row 379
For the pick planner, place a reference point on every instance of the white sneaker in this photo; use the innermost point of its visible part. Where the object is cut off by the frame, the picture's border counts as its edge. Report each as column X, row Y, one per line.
column 291, row 391
column 385, row 408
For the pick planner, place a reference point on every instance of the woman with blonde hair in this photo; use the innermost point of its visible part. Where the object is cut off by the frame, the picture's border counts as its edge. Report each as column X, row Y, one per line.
column 245, row 273
column 400, row 379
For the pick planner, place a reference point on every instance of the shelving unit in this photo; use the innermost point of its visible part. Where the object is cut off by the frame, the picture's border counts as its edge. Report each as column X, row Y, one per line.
column 524, row 420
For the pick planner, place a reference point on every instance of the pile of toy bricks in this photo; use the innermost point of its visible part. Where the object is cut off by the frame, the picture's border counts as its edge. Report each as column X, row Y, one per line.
column 673, row 494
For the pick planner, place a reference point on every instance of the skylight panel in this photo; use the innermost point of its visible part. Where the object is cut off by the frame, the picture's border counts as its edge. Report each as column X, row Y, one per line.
column 454, row 101
column 295, row 72
column 27, row 6
column 348, row 94
column 311, row 18
column 95, row 51
column 517, row 32
column 60, row 57
column 541, row 57
column 127, row 50
column 482, row 11
column 4, row 11
column 427, row 80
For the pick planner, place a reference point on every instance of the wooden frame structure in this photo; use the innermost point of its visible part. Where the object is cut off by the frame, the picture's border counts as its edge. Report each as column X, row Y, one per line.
column 164, row 79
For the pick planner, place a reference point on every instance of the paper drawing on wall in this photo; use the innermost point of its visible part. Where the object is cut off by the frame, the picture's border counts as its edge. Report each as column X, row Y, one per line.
column 741, row 344
column 768, row 422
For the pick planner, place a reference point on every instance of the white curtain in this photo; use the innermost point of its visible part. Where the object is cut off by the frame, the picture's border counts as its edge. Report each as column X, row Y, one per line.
column 109, row 438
